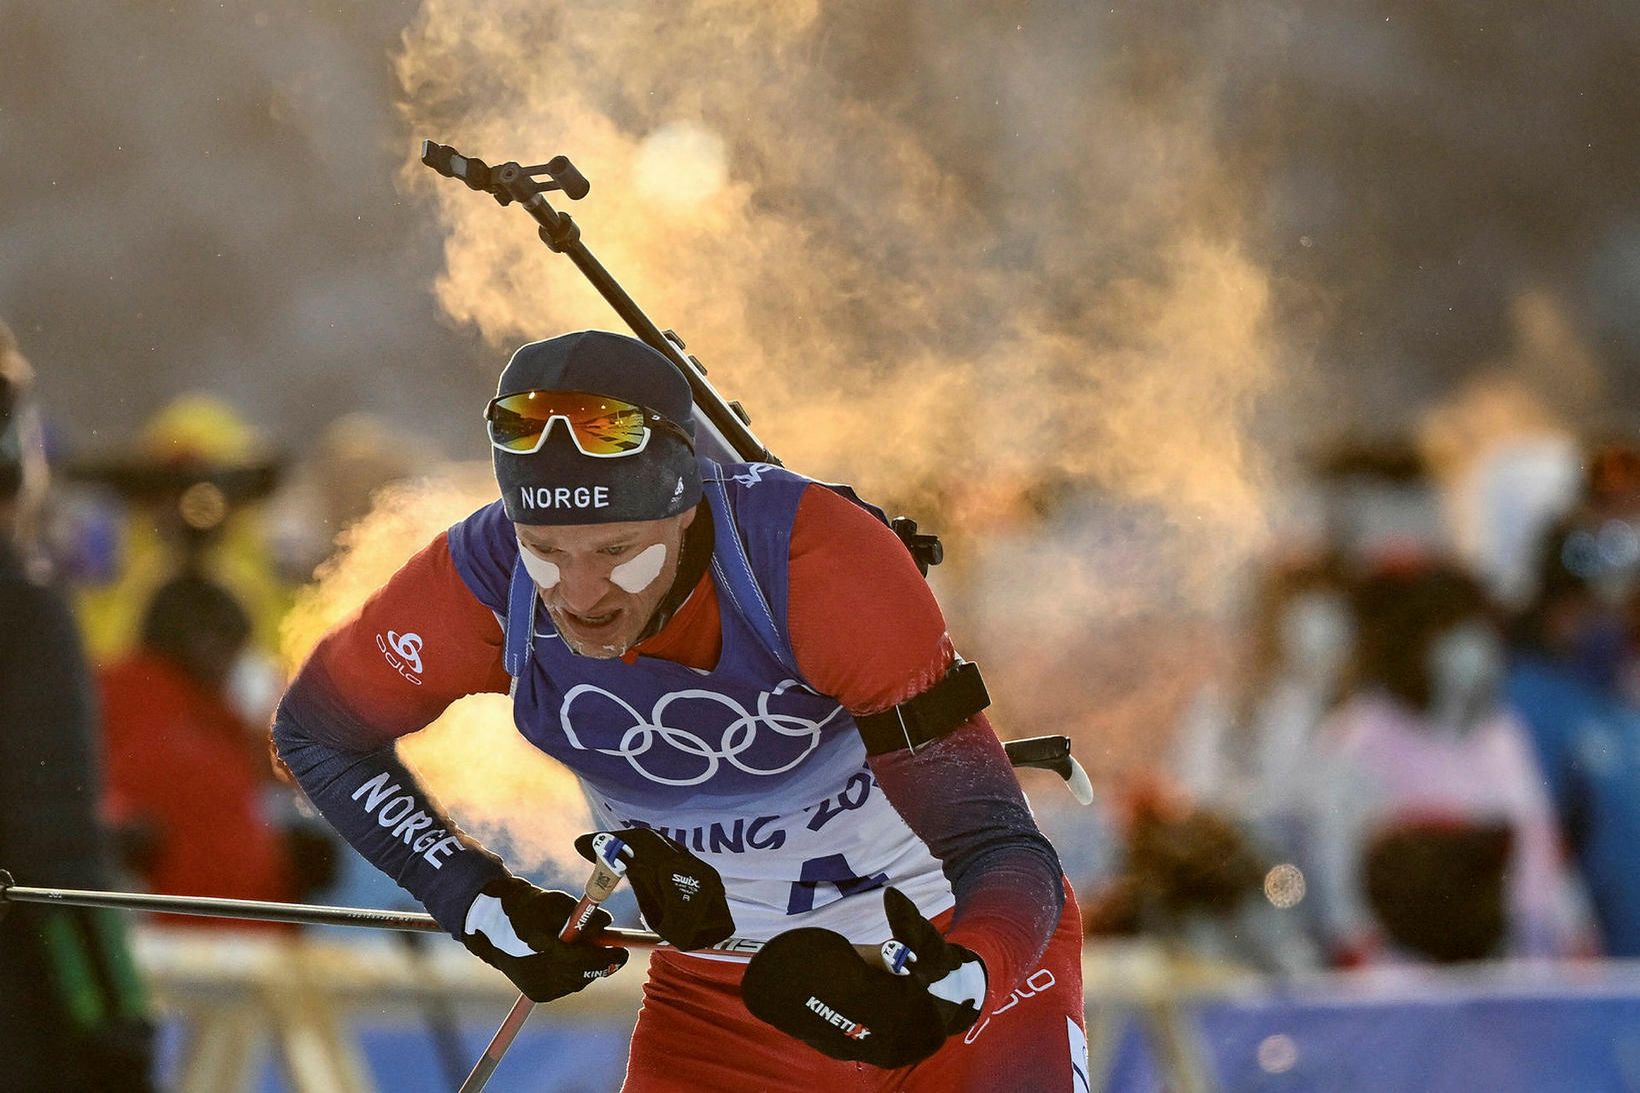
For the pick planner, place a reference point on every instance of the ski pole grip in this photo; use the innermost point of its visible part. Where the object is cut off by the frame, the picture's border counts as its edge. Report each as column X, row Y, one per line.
column 452, row 164
column 608, row 868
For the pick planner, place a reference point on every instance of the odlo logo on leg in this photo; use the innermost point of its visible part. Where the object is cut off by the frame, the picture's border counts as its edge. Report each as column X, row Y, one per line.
column 853, row 1030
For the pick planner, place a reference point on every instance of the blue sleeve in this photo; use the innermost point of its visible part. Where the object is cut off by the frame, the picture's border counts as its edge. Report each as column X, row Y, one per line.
column 378, row 806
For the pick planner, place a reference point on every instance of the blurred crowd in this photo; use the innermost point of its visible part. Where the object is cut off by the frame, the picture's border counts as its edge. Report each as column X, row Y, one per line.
column 142, row 591
column 1427, row 749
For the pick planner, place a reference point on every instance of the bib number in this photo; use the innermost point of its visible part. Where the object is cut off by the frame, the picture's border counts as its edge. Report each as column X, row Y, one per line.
column 832, row 870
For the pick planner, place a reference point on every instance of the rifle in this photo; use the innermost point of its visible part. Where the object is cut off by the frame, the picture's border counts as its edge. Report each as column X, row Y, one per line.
column 723, row 427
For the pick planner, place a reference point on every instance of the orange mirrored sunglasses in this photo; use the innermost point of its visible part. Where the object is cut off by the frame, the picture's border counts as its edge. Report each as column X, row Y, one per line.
column 600, row 426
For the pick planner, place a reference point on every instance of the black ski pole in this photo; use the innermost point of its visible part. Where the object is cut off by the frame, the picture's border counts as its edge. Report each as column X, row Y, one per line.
column 248, row 909
column 252, row 910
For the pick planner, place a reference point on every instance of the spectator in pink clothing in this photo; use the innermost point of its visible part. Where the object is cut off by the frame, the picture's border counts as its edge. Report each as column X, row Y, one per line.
column 1435, row 837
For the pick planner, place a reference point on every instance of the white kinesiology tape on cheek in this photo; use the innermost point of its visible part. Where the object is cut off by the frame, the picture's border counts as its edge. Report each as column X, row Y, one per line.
column 638, row 574
column 541, row 571
column 486, row 917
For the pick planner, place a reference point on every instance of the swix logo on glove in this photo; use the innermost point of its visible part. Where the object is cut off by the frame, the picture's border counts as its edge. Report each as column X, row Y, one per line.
column 403, row 652
column 832, row 1017
column 689, row 909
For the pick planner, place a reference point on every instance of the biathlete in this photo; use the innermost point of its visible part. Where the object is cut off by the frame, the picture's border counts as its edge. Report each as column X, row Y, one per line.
column 755, row 687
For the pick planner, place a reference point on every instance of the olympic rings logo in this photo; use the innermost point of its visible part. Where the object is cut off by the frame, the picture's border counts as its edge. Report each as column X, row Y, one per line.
column 670, row 743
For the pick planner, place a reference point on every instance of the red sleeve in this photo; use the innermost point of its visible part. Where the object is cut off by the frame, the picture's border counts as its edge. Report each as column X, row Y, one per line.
column 419, row 643
column 864, row 626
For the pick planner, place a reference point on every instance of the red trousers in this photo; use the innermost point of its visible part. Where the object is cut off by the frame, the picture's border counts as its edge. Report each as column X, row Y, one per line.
column 695, row 1034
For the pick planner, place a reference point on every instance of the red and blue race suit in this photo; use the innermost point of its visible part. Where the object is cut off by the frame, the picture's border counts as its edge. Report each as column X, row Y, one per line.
column 729, row 730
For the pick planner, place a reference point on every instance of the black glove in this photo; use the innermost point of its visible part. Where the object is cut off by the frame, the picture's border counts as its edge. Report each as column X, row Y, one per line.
column 514, row 926
column 681, row 897
column 814, row 985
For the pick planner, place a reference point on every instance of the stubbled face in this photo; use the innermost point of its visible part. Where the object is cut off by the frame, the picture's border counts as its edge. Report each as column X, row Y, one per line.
column 601, row 583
